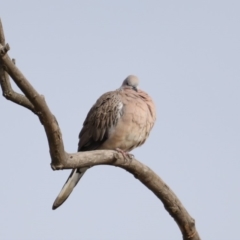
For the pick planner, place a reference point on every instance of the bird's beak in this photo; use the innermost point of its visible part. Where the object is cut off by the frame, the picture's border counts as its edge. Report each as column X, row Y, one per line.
column 135, row 89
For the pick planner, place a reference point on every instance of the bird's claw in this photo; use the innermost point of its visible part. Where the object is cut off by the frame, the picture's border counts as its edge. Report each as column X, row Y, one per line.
column 126, row 155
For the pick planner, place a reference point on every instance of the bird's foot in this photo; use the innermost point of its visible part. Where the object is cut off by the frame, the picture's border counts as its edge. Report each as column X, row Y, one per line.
column 126, row 155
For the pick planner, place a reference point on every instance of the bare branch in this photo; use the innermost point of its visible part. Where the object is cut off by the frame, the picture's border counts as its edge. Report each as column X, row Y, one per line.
column 11, row 95
column 63, row 160
column 46, row 117
column 7, row 90
column 39, row 105
column 144, row 174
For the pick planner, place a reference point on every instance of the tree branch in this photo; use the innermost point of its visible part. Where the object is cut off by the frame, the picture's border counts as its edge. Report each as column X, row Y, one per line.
column 7, row 90
column 63, row 160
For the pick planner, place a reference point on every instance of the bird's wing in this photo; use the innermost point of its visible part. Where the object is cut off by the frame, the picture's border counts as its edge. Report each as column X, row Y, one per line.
column 101, row 118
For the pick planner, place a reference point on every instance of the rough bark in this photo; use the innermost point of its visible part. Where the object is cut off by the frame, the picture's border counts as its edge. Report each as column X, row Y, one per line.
column 60, row 159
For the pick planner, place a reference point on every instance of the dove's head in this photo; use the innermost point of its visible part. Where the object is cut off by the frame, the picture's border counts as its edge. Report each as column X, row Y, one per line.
column 131, row 82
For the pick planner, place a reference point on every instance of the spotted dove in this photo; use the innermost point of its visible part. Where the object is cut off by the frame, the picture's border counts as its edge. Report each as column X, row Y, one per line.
column 120, row 119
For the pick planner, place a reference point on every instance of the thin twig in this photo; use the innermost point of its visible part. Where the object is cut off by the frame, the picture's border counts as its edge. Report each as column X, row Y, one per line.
column 2, row 37
column 5, row 83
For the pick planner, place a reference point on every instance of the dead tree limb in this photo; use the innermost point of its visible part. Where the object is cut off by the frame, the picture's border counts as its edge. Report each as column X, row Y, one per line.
column 60, row 159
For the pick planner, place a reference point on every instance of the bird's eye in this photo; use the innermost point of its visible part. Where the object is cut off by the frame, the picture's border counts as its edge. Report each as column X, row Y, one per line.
column 128, row 84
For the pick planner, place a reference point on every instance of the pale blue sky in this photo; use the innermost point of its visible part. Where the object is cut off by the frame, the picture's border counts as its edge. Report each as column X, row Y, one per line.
column 187, row 56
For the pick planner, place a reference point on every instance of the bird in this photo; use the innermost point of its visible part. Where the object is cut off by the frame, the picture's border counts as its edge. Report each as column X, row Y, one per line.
column 119, row 120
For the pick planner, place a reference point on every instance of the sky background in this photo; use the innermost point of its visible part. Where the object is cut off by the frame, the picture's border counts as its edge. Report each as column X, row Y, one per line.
column 187, row 57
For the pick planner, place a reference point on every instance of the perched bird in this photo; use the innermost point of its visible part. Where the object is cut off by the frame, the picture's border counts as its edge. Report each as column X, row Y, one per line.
column 119, row 120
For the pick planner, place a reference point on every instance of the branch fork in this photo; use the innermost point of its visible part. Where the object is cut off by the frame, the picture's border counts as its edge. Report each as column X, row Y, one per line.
column 4, row 49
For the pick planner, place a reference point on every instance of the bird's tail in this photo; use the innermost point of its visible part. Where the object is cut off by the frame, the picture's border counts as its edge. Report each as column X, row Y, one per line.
column 71, row 182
